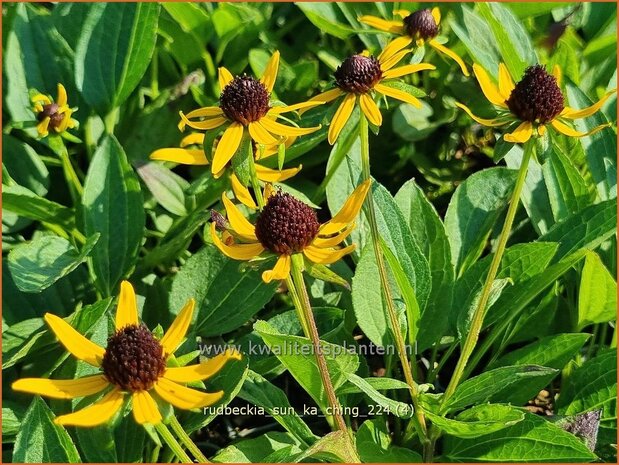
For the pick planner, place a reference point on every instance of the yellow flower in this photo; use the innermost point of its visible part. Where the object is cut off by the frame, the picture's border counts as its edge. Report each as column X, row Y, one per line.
column 52, row 115
column 358, row 76
column 419, row 26
column 535, row 101
column 134, row 363
column 287, row 226
column 244, row 105
column 193, row 156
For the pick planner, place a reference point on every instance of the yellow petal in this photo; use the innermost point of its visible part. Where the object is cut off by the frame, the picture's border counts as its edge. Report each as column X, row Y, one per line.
column 406, row 69
column 41, row 98
column 74, row 342
column 572, row 113
column 281, row 270
column 341, row 117
column 261, row 135
column 61, row 100
column 324, row 97
column 297, row 106
column 521, row 134
column 182, row 156
column 205, row 112
column 177, row 330
column 394, row 60
column 283, row 130
column 556, row 72
column 197, row 138
column 348, row 212
column 210, row 123
column 184, row 397
column 506, row 83
column 269, row 175
column 541, row 129
column 392, row 48
column 487, row 86
column 370, row 109
column 398, row 94
column 483, row 121
column 62, row 388
column 382, row 24
column 236, row 251
column 145, row 408
column 225, row 77
column 239, row 223
column 325, row 242
column 268, row 191
column 98, row 413
column 202, row 370
column 228, row 144
column 326, row 256
column 568, row 131
column 451, row 54
column 42, row 127
column 436, row 14
column 127, row 309
column 242, row 193
column 270, row 73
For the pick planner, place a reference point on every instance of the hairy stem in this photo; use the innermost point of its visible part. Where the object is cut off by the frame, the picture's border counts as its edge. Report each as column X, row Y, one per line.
column 166, row 435
column 186, row 440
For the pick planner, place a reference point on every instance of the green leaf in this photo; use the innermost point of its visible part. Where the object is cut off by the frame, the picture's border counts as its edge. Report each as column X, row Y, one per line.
column 473, row 211
column 496, row 385
column 567, row 188
column 113, row 51
column 226, row 297
column 112, row 205
column 333, row 447
column 551, row 351
column 41, row 262
column 256, row 450
column 429, row 232
column 533, row 439
column 478, row 421
column 167, row 188
column 326, row 17
column 374, row 445
column 40, row 440
column 511, row 38
column 259, row 391
column 597, row 296
column 24, row 202
column 399, row 409
column 586, row 229
column 297, row 355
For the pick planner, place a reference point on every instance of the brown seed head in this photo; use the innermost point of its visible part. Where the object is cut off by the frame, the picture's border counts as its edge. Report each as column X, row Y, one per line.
column 244, row 100
column 537, row 97
column 421, row 24
column 358, row 74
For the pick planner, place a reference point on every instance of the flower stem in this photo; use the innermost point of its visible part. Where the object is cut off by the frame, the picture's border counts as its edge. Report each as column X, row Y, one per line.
column 292, row 290
column 480, row 312
column 306, row 309
column 419, row 418
column 186, row 440
column 166, row 435
column 255, row 182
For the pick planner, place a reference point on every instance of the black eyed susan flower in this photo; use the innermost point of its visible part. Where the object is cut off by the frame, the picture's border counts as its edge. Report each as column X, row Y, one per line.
column 195, row 156
column 535, row 101
column 420, row 26
column 287, row 226
column 360, row 75
column 134, row 363
column 244, row 105
column 52, row 115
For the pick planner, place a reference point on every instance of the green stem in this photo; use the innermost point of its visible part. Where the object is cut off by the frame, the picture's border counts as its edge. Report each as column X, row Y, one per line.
column 306, row 309
column 419, row 418
column 480, row 312
column 186, row 440
column 110, row 120
column 254, row 176
column 297, row 305
column 165, row 434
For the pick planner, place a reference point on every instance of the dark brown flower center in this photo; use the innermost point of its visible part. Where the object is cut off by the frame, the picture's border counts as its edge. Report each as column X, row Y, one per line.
column 421, row 24
column 537, row 97
column 133, row 359
column 286, row 225
column 51, row 110
column 244, row 100
column 358, row 74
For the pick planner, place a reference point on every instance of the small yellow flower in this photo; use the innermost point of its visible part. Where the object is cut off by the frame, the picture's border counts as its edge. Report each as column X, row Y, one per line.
column 535, row 101
column 244, row 104
column 419, row 26
column 134, row 362
column 193, row 156
column 358, row 76
column 287, row 226
column 54, row 115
